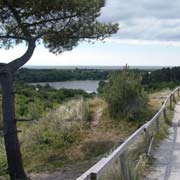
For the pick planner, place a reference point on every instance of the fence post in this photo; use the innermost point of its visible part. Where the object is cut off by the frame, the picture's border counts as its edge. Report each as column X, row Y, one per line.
column 174, row 99
column 158, row 124
column 164, row 113
column 124, row 166
column 93, row 176
column 147, row 140
column 170, row 101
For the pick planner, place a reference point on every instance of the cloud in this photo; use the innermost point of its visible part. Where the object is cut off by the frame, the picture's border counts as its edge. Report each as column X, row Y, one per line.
column 143, row 42
column 144, row 19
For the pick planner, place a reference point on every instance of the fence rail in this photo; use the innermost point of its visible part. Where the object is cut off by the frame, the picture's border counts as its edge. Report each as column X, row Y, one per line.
column 95, row 172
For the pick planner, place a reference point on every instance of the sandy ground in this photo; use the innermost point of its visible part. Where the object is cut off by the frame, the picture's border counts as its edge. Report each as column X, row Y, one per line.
column 68, row 173
column 167, row 156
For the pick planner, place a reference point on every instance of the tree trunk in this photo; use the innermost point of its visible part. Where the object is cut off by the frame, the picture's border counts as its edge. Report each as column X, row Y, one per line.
column 15, row 166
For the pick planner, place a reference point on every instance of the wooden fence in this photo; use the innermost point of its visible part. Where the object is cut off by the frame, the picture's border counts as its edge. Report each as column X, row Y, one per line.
column 95, row 172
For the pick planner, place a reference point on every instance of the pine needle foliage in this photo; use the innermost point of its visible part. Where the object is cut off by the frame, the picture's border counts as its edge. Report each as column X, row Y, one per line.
column 124, row 94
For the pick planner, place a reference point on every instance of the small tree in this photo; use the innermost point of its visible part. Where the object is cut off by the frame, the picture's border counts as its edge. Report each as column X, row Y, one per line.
column 124, row 94
column 59, row 25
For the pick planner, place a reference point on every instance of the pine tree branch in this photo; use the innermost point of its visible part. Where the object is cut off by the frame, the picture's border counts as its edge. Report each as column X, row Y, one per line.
column 13, row 37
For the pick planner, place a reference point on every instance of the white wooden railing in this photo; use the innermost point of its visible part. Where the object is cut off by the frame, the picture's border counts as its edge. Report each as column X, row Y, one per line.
column 95, row 172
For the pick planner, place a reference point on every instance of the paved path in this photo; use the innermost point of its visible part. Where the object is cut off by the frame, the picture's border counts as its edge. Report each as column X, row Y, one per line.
column 167, row 156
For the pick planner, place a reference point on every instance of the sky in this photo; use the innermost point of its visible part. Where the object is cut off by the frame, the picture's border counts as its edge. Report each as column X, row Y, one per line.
column 149, row 34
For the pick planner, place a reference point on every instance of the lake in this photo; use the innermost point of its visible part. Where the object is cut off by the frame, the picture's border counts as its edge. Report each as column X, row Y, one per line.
column 87, row 85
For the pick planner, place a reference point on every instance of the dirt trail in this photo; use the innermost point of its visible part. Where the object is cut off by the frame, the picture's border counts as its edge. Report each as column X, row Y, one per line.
column 167, row 156
column 97, row 116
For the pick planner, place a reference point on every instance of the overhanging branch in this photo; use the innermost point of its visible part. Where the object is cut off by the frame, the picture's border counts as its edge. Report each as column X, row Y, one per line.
column 13, row 37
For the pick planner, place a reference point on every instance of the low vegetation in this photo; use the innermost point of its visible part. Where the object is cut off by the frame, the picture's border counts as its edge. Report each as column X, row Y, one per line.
column 71, row 126
column 32, row 102
column 45, row 142
column 78, row 130
column 35, row 103
column 136, row 151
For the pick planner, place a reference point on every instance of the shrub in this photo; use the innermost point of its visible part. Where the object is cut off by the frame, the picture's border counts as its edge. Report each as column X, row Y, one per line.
column 35, row 109
column 124, row 94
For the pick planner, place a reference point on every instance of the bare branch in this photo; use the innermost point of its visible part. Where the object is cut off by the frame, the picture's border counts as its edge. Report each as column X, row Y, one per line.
column 13, row 37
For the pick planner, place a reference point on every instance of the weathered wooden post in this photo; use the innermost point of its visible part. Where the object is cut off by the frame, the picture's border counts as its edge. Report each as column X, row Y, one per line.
column 124, row 166
column 147, row 140
column 170, row 101
column 158, row 124
column 174, row 99
column 93, row 176
column 164, row 114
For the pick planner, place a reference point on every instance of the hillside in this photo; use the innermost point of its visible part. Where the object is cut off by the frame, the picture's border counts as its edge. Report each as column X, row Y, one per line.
column 71, row 138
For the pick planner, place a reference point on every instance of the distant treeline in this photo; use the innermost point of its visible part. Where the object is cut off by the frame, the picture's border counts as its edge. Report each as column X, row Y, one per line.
column 162, row 75
column 151, row 79
column 163, row 78
column 52, row 75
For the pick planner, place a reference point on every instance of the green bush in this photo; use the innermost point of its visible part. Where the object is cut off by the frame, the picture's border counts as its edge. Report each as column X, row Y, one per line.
column 124, row 94
column 35, row 109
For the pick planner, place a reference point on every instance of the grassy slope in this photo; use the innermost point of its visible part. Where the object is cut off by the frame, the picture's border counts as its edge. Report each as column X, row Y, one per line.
column 102, row 133
column 136, row 150
column 87, row 132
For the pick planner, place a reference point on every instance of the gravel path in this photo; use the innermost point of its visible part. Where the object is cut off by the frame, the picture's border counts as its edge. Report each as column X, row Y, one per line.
column 167, row 156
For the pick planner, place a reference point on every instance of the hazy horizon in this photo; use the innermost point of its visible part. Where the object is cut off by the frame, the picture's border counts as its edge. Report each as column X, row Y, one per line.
column 91, row 67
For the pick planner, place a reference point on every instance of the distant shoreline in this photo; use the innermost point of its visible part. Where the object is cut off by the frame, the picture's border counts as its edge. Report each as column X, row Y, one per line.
column 95, row 67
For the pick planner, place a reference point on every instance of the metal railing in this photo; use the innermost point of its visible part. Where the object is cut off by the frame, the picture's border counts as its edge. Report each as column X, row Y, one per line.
column 95, row 172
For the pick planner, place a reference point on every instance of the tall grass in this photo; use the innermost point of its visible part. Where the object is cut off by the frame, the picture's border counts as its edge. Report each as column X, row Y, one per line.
column 66, row 135
column 44, row 143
